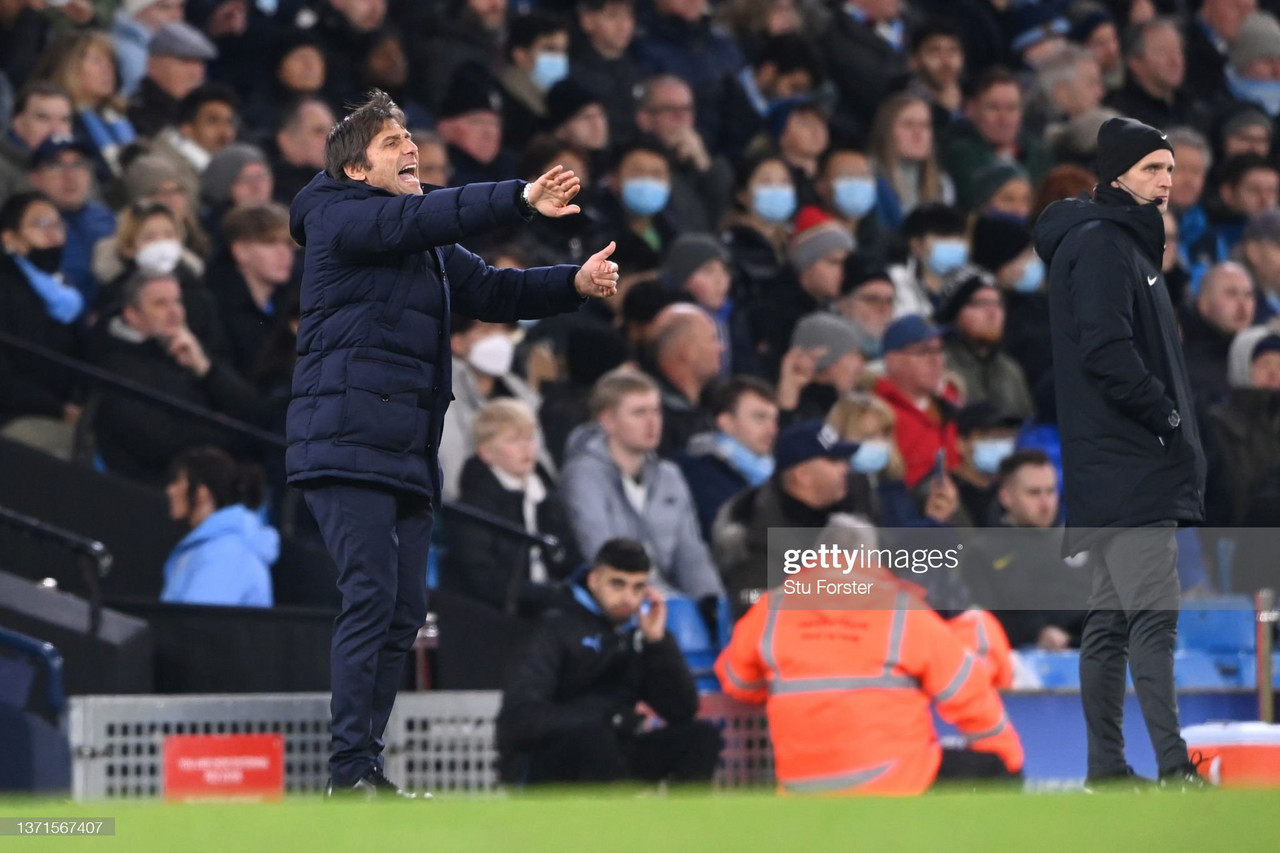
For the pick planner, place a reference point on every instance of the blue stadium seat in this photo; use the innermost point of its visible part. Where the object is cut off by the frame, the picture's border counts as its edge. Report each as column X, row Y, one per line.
column 1247, row 670
column 1194, row 669
column 690, row 632
column 1222, row 625
column 1057, row 670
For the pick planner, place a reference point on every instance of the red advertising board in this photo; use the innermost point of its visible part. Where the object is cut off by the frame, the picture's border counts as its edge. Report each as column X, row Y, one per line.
column 223, row 767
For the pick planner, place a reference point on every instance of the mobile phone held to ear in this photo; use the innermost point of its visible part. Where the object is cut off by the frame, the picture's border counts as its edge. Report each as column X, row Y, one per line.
column 940, row 464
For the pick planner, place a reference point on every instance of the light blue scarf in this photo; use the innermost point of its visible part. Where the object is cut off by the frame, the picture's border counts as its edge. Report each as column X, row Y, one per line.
column 62, row 302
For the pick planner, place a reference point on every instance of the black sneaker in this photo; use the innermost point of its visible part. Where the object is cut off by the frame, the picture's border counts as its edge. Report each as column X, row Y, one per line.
column 1187, row 777
column 373, row 783
column 1126, row 781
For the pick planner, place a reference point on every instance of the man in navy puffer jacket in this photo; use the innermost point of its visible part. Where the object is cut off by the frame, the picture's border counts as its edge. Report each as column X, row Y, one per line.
column 382, row 273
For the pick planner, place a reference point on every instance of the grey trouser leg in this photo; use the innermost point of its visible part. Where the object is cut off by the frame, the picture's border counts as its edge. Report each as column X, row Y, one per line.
column 1133, row 610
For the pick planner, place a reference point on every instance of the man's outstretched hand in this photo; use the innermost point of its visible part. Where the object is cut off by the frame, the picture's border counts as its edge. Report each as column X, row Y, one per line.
column 550, row 194
column 598, row 276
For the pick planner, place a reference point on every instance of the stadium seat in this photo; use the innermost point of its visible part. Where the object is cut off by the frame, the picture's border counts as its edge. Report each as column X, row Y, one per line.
column 1222, row 625
column 690, row 632
column 1194, row 669
column 1247, row 670
column 1056, row 670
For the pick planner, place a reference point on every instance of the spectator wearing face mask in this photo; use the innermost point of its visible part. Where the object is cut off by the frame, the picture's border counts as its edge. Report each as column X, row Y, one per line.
column 985, row 438
column 1253, row 61
column 764, row 204
column 936, row 247
column 537, row 53
column 36, row 304
column 149, row 237
column 483, row 355
column 846, row 189
column 1003, row 190
column 633, row 206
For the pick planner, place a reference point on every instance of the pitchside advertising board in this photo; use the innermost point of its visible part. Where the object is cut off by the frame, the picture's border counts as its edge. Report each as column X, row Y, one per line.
column 247, row 768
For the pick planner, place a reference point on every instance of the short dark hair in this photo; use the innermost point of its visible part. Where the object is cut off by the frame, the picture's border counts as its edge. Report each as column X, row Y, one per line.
column 931, row 29
column 1134, row 40
column 15, row 207
column 1021, row 459
column 39, row 89
column 131, row 290
column 640, row 142
column 723, row 395
column 350, row 138
column 933, row 218
column 209, row 93
column 1235, row 168
column 996, row 75
column 228, row 481
column 255, row 222
column 789, row 53
column 625, row 555
column 597, row 5
column 524, row 30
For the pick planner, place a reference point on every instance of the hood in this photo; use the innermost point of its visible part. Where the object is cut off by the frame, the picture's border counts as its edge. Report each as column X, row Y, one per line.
column 1142, row 221
column 239, row 521
column 588, row 439
column 1238, row 360
column 322, row 190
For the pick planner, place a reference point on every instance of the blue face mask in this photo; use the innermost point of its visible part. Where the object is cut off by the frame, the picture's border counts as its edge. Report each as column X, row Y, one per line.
column 645, row 196
column 1032, row 276
column 854, row 197
column 988, row 453
column 774, row 202
column 1264, row 93
column 947, row 256
column 751, row 465
column 872, row 457
column 549, row 69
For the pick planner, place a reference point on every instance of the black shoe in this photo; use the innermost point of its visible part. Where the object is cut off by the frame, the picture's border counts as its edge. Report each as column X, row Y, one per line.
column 373, row 783
column 1126, row 781
column 1185, row 778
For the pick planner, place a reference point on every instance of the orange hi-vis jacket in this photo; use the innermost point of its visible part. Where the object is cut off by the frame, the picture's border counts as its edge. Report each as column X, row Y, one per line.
column 982, row 634
column 848, row 692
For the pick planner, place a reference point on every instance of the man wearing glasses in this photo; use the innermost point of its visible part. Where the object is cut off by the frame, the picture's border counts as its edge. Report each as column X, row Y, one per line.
column 61, row 169
column 912, row 385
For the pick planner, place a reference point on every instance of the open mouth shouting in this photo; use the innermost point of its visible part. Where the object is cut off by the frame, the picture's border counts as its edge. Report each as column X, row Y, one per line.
column 408, row 176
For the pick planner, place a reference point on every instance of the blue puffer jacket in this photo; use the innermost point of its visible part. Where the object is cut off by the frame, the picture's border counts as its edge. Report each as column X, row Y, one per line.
column 381, row 274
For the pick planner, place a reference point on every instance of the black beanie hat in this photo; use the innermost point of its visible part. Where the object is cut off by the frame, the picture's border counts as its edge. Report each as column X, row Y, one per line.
column 1122, row 142
column 996, row 241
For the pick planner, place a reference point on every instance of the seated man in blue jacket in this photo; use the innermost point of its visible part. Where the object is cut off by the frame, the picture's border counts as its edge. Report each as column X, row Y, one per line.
column 569, row 713
column 382, row 271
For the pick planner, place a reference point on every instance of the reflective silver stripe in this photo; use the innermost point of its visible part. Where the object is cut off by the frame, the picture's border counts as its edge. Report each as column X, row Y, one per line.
column 766, row 640
column 738, row 682
column 957, row 681
column 984, row 645
column 782, row 686
column 822, row 784
column 895, row 632
column 1000, row 727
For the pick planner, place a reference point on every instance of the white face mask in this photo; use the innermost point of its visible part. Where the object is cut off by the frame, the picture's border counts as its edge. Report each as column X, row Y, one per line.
column 162, row 256
column 492, row 355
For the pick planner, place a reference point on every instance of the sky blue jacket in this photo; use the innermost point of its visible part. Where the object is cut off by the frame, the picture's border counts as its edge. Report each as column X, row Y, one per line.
column 224, row 561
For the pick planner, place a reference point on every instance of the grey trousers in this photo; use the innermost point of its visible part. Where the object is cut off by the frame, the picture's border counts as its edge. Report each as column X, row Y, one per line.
column 1133, row 618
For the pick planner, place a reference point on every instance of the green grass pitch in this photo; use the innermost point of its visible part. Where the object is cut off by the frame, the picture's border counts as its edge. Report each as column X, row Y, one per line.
column 731, row 822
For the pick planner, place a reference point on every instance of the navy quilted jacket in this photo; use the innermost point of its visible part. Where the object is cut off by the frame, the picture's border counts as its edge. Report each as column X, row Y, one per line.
column 381, row 274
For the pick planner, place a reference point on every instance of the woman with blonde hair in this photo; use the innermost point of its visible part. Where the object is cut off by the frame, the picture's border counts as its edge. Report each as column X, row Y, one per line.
column 83, row 62
column 868, row 420
column 906, row 161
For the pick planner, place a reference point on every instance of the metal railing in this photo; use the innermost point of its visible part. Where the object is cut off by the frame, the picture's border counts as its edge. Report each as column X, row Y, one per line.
column 94, row 558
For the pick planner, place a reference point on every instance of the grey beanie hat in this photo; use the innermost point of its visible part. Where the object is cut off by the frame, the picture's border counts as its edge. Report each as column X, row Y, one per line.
column 1259, row 38
column 687, row 255
column 832, row 332
column 224, row 168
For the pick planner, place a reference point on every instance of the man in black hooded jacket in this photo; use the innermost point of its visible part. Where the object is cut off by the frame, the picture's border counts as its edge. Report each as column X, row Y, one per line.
column 569, row 711
column 1132, row 461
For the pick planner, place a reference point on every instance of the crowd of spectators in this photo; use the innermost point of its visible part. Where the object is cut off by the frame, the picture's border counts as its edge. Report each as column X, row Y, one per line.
column 823, row 211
